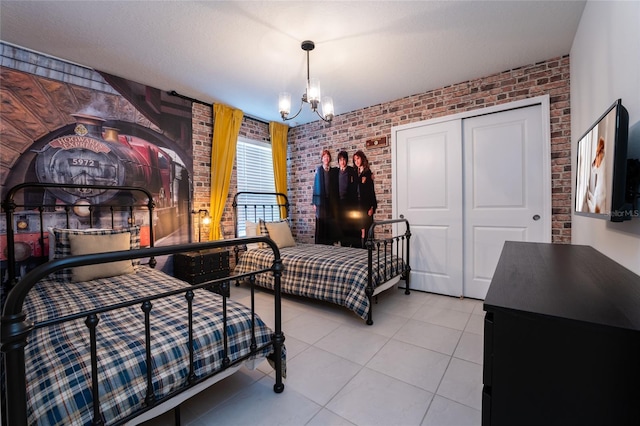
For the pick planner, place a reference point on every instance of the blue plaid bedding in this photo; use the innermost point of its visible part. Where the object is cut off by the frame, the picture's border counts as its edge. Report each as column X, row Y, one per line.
column 58, row 360
column 333, row 274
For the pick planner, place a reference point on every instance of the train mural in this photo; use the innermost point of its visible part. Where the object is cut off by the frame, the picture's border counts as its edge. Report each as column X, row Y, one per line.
column 93, row 155
column 98, row 155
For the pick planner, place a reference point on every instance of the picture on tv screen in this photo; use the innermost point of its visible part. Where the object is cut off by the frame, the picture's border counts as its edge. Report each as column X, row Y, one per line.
column 600, row 173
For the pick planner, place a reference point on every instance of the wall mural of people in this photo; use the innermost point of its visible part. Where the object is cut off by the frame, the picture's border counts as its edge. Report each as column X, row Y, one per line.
column 344, row 200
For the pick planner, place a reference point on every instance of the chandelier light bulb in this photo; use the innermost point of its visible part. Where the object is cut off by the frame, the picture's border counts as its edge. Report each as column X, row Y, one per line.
column 313, row 90
column 284, row 103
column 327, row 107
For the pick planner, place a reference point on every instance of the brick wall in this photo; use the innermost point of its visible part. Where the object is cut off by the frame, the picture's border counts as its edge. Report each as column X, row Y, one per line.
column 350, row 131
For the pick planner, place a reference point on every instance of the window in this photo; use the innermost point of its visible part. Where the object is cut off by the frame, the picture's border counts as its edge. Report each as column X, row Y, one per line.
column 255, row 174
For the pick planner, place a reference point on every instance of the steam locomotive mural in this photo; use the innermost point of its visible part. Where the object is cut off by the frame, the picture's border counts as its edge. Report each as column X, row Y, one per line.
column 93, row 155
column 97, row 155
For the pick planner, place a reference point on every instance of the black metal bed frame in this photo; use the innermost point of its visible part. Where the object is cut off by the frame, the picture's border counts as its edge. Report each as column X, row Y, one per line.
column 379, row 249
column 16, row 327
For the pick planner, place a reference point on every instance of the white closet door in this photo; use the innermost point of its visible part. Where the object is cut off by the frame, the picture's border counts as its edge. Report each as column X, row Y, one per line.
column 427, row 187
column 467, row 184
column 503, row 189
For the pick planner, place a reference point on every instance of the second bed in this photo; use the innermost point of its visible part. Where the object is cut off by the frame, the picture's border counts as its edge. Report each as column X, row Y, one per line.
column 349, row 277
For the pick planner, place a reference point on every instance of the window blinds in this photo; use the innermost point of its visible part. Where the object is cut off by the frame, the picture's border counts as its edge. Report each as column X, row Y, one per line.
column 255, row 174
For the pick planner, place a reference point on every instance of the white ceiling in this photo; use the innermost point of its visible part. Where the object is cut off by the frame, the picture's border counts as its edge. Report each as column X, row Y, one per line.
column 243, row 53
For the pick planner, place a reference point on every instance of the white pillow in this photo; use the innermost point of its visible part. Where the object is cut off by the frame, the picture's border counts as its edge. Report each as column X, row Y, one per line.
column 88, row 244
column 280, row 233
column 251, row 230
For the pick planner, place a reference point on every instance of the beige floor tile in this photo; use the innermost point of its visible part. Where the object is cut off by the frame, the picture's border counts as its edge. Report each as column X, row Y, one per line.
column 327, row 418
column 258, row 404
column 470, row 348
column 355, row 344
column 429, row 336
column 373, row 398
column 462, row 382
column 309, row 328
column 445, row 317
column 444, row 412
column 319, row 375
column 411, row 364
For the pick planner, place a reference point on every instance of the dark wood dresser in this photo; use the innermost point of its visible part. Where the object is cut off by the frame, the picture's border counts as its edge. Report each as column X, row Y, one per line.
column 197, row 267
column 561, row 339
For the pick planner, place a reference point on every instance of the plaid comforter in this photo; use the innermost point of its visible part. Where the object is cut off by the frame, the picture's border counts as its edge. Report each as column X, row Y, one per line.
column 333, row 274
column 58, row 359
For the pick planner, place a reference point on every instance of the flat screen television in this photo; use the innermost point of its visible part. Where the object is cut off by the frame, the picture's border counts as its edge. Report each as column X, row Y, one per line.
column 601, row 173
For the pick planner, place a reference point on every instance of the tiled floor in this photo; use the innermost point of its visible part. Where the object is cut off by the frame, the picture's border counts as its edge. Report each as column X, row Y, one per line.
column 420, row 363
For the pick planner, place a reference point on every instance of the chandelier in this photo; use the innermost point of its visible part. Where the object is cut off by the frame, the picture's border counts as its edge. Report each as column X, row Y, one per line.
column 311, row 96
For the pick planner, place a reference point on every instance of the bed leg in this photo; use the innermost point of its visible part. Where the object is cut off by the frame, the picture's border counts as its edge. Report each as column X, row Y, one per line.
column 369, row 292
column 278, row 342
column 406, row 278
column 176, row 416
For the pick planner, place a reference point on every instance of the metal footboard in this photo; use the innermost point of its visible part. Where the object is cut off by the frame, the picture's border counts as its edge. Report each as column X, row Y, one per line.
column 380, row 251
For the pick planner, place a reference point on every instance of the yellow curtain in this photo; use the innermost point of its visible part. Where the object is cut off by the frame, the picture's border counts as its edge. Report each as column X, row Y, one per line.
column 226, row 126
column 278, row 133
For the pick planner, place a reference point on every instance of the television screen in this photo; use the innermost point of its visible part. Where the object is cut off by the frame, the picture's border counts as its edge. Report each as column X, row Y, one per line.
column 601, row 167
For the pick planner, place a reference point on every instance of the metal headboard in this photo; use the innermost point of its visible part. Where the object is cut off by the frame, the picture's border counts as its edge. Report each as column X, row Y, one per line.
column 10, row 206
column 253, row 206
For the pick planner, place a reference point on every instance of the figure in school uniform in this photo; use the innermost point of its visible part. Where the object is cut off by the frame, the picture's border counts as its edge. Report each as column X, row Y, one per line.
column 325, row 193
column 347, row 220
column 366, row 195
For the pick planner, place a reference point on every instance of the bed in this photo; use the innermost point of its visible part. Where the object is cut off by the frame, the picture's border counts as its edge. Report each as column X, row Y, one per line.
column 83, row 347
column 349, row 277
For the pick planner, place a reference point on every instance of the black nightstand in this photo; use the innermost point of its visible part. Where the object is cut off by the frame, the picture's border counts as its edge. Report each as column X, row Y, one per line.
column 196, row 267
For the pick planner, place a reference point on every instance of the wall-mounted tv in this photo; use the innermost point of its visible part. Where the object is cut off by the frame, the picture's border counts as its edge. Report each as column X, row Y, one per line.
column 602, row 167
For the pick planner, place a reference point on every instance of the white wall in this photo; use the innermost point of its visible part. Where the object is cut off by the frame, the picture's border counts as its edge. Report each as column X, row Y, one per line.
column 605, row 66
